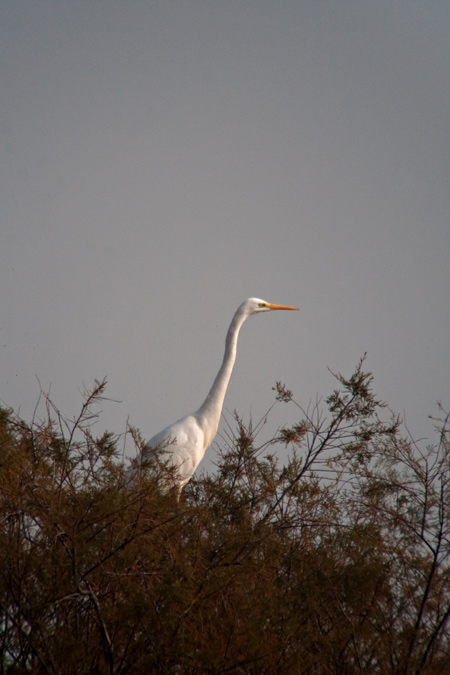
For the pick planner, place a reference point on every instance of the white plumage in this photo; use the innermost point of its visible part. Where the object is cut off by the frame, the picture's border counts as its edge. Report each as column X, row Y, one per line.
column 182, row 445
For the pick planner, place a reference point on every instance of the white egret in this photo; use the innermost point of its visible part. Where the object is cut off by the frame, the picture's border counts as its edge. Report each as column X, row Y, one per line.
column 182, row 445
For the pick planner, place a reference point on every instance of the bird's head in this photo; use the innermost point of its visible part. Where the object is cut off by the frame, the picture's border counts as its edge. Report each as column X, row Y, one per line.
column 256, row 305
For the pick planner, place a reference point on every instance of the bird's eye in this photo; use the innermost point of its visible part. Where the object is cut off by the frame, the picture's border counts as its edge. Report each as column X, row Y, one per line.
column 262, row 304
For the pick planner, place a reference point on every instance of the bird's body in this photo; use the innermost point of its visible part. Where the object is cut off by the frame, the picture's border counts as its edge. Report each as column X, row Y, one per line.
column 182, row 445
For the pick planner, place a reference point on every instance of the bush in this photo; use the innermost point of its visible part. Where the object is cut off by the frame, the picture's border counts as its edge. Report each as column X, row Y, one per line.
column 337, row 562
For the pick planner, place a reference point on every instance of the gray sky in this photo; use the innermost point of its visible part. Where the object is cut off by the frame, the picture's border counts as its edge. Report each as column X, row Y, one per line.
column 163, row 161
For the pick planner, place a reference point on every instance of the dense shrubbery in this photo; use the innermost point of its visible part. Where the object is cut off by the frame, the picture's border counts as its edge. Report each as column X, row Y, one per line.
column 337, row 562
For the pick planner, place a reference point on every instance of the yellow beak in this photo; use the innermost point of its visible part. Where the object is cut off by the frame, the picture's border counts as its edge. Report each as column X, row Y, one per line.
column 272, row 306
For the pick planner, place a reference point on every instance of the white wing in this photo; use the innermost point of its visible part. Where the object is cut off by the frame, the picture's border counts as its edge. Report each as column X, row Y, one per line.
column 182, row 445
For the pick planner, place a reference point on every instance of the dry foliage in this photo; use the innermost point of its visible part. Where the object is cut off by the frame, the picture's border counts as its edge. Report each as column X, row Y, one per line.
column 337, row 562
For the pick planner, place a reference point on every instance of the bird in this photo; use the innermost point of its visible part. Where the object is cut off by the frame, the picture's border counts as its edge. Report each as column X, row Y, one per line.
column 181, row 446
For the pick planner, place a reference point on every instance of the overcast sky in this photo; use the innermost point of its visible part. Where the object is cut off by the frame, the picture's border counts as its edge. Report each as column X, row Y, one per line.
column 161, row 161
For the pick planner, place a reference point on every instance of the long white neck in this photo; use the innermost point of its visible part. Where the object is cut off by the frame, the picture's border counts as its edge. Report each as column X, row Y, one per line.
column 208, row 414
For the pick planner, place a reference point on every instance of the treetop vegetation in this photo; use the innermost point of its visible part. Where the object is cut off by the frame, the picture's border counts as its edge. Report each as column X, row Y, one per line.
column 335, row 562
